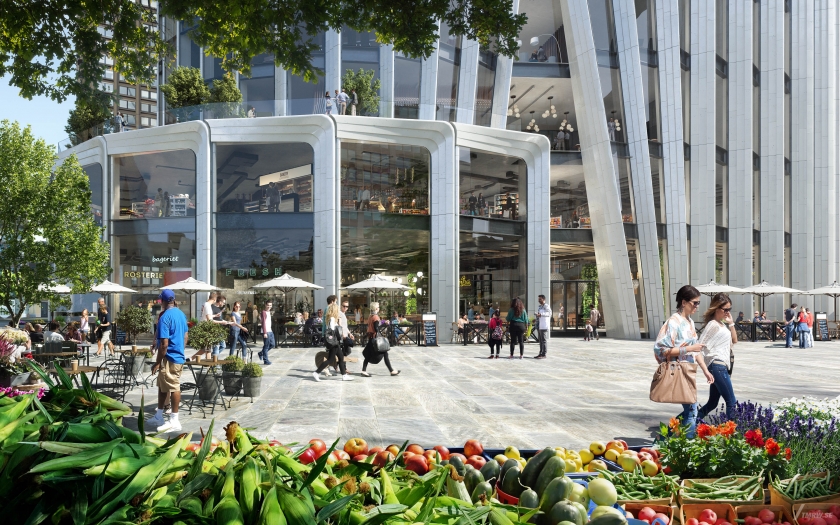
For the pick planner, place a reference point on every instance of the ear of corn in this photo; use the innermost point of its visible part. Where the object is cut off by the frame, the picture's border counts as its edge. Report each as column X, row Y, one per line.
column 192, row 504
column 271, row 513
column 388, row 494
column 84, row 459
column 15, row 411
column 248, row 487
column 295, row 509
column 15, row 426
column 228, row 512
column 120, row 468
column 170, row 478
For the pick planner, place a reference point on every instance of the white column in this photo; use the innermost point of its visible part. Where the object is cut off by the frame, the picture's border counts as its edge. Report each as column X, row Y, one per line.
column 825, row 170
column 501, row 87
column 428, row 84
column 802, row 147
column 627, row 37
column 467, row 77
column 740, row 148
column 673, row 152
column 281, row 84
column 773, row 123
column 386, row 75
column 702, row 141
column 619, row 304
column 332, row 61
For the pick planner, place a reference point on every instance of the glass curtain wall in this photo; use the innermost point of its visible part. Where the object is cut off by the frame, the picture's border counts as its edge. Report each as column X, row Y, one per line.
column 153, row 223
column 94, row 173
column 258, row 89
column 493, row 241
column 569, row 205
column 574, row 286
column 684, row 8
column 721, row 114
column 449, row 65
column 359, row 51
column 264, row 223
column 189, row 54
column 485, row 84
column 385, row 224
column 307, row 98
column 406, row 86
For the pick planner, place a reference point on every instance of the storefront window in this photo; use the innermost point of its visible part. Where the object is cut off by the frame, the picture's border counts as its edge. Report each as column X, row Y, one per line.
column 569, row 205
column 574, row 286
column 449, row 65
column 258, row 90
column 492, row 185
column 157, row 185
column 94, row 173
column 385, row 224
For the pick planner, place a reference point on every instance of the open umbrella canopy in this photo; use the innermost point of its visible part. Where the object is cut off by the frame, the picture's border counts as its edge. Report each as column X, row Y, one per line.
column 712, row 288
column 832, row 290
column 286, row 283
column 190, row 286
column 764, row 289
column 376, row 283
column 55, row 288
column 107, row 287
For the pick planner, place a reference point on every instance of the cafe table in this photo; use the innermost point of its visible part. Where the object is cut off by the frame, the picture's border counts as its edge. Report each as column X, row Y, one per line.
column 81, row 369
column 133, row 379
column 204, row 371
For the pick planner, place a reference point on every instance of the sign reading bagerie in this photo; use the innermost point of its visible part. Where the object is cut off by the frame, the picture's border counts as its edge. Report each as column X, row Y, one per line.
column 171, row 258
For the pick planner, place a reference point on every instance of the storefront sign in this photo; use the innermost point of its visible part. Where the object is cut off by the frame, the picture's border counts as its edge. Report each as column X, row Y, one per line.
column 172, row 258
column 143, row 275
column 253, row 272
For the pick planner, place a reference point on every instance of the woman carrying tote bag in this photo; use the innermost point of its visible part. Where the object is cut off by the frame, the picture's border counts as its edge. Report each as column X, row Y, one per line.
column 677, row 340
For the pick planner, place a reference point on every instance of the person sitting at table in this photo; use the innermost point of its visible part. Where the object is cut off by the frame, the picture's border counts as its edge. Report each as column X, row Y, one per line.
column 740, row 318
column 756, row 318
column 395, row 322
column 53, row 335
column 74, row 334
column 462, row 323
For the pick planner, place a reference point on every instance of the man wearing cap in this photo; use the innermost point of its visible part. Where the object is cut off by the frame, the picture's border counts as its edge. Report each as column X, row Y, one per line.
column 172, row 339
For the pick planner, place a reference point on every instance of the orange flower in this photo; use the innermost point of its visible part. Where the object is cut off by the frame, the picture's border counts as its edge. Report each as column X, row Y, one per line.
column 754, row 438
column 726, row 429
column 787, row 454
column 674, row 425
column 704, row 431
column 771, row 447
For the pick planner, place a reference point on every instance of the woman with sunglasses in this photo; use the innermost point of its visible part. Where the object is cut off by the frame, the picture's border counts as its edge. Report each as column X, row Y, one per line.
column 677, row 340
column 718, row 337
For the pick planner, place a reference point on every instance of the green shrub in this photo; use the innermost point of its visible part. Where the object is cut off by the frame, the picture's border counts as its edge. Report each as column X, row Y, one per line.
column 135, row 320
column 252, row 370
column 206, row 334
column 233, row 364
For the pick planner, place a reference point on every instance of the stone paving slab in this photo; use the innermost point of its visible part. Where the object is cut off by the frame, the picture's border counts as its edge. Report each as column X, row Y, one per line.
column 446, row 395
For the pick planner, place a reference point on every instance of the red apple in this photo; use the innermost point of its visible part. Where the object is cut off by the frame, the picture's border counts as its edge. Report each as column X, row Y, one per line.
column 644, row 455
column 704, row 523
column 665, row 520
column 393, row 449
column 356, row 446
column 307, row 457
column 417, row 463
column 460, row 456
column 652, row 451
column 830, row 519
column 318, row 446
column 431, row 456
column 375, row 450
column 443, row 451
column 766, row 516
column 646, row 514
column 752, row 520
column 193, row 447
column 405, row 455
column 709, row 516
column 476, row 461
column 835, row 510
column 818, row 521
column 415, row 448
column 473, row 448
column 626, row 446
column 616, row 445
column 383, row 457
column 340, row 454
column 360, row 458
column 692, row 521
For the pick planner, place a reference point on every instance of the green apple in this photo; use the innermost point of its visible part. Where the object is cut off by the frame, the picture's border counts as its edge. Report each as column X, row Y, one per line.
column 512, row 453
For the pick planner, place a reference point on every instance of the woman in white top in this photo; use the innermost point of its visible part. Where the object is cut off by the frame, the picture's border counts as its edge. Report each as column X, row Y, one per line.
column 335, row 352
column 718, row 337
column 84, row 324
column 358, row 312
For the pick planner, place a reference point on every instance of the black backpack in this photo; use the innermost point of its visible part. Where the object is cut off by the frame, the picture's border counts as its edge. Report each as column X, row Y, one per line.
column 331, row 338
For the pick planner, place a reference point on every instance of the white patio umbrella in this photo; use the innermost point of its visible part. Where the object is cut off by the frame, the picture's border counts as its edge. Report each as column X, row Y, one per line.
column 712, row 288
column 832, row 290
column 375, row 284
column 106, row 287
column 190, row 287
column 286, row 283
column 764, row 289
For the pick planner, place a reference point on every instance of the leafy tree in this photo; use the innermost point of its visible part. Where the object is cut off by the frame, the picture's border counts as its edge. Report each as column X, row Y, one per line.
column 135, row 320
column 83, row 118
column 225, row 90
column 185, row 88
column 206, row 334
column 54, row 48
column 367, row 89
column 47, row 232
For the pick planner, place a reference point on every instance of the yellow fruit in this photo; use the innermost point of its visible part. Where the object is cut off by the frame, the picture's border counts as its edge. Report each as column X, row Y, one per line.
column 560, row 451
column 596, row 465
column 512, row 453
column 586, row 456
column 612, row 454
column 571, row 466
column 500, row 458
column 578, row 462
column 597, row 447
column 522, row 462
column 572, row 454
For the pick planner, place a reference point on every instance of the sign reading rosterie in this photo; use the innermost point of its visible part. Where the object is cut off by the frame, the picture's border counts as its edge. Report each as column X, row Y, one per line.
column 253, row 272
column 143, row 275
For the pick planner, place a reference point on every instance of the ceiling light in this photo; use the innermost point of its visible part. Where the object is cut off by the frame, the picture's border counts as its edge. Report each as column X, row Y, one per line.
column 528, row 126
column 510, row 112
column 535, row 41
column 536, row 128
column 517, row 114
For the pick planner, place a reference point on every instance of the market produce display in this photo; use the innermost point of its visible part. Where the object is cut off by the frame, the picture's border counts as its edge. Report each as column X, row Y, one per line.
column 730, row 488
column 637, row 486
column 830, row 516
column 806, row 487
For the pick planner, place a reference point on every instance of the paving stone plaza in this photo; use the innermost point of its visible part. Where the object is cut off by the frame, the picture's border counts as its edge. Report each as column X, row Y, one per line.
column 446, row 395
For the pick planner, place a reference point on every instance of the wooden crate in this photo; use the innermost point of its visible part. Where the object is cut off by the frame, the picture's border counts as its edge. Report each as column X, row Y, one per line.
column 777, row 498
column 811, row 510
column 693, row 510
column 782, row 514
column 649, row 502
column 635, row 506
column 759, row 499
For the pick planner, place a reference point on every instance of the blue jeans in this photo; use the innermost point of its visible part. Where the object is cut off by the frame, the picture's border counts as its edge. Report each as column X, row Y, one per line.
column 802, row 329
column 217, row 349
column 239, row 337
column 268, row 344
column 722, row 387
column 689, row 418
column 789, row 335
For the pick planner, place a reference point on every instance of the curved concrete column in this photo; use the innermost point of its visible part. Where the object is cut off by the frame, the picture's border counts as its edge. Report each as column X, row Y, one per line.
column 386, row 75
column 332, row 60
column 428, row 84
column 618, row 303
column 468, row 78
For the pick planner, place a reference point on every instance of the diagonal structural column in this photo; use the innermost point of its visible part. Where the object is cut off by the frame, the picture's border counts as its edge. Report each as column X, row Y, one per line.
column 468, row 79
column 386, row 90
column 428, row 84
column 627, row 36
column 740, row 148
column 774, row 121
column 673, row 150
column 501, row 87
column 617, row 300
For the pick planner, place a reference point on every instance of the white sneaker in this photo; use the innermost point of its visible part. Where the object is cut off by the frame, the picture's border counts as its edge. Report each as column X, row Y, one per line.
column 347, row 377
column 315, row 376
column 155, row 421
column 171, row 426
column 327, row 372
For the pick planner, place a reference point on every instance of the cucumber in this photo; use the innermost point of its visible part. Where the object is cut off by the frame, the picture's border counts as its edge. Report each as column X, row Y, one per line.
column 529, row 499
column 491, row 471
column 510, row 484
column 482, row 489
column 609, row 518
column 553, row 468
column 534, row 467
column 456, row 462
column 564, row 511
column 509, row 464
column 557, row 490
column 472, row 478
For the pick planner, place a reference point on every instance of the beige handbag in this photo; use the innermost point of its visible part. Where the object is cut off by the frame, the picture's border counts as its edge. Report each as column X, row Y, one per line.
column 674, row 382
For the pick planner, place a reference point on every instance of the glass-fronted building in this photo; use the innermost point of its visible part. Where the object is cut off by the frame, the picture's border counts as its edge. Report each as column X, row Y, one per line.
column 648, row 145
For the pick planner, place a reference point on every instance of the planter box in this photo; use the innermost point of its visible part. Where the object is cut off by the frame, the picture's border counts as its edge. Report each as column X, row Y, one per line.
column 693, row 510
column 208, row 388
column 811, row 510
column 782, row 514
column 232, row 382
column 635, row 507
column 777, row 498
column 133, row 364
column 7, row 381
column 759, row 498
column 251, row 386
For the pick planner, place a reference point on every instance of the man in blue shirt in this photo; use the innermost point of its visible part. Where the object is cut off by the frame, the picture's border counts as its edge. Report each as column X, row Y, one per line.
column 172, row 339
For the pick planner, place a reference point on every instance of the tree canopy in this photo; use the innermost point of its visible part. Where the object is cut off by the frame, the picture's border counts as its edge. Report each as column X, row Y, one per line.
column 185, row 88
column 55, row 48
column 47, row 231
column 367, row 90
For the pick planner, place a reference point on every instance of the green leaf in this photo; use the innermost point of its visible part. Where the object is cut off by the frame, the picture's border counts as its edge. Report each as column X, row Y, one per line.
column 141, row 417
column 195, row 469
column 45, row 377
column 333, row 508
column 383, row 512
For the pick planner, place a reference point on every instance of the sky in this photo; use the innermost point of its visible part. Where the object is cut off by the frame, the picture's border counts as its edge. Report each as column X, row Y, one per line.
column 46, row 116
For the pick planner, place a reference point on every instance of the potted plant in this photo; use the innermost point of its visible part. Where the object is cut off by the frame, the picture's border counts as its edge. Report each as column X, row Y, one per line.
column 13, row 370
column 134, row 320
column 232, row 374
column 202, row 337
column 251, row 379
column 146, row 354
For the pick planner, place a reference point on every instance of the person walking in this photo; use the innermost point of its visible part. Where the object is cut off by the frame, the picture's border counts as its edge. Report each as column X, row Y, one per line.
column 238, row 332
column 543, row 325
column 354, row 101
column 595, row 317
column 374, row 351
column 217, row 317
column 172, row 337
column 268, row 335
column 335, row 350
column 717, row 339
column 517, row 319
column 329, row 103
column 496, row 334
column 810, row 322
column 677, row 339
column 790, row 325
column 802, row 327
column 103, row 323
column 255, row 321
column 84, row 324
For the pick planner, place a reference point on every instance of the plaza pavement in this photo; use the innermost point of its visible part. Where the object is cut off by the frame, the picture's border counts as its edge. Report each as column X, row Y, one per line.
column 446, row 395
